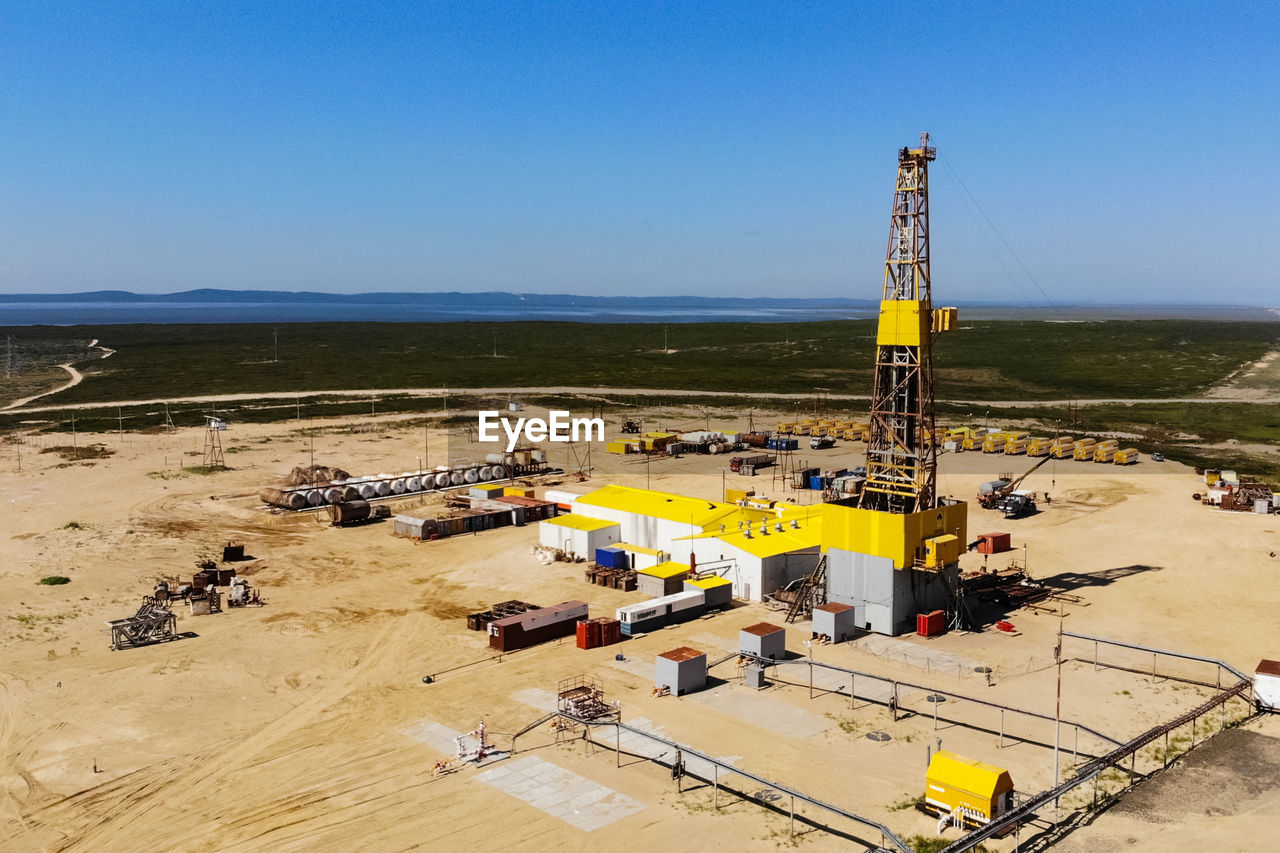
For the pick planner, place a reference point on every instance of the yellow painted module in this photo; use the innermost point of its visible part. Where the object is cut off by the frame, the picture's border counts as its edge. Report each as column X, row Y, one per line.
column 904, row 539
column 978, row 792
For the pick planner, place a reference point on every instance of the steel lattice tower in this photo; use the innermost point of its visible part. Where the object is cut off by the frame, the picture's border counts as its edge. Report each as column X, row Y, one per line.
column 901, row 463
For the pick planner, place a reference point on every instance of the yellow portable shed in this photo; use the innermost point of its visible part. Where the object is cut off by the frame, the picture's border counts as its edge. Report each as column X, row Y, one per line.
column 977, row 792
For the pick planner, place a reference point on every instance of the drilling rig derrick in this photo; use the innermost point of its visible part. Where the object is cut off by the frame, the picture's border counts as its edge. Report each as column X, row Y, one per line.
column 901, row 455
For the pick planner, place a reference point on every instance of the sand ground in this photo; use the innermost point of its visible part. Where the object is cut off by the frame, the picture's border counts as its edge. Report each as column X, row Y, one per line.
column 305, row 725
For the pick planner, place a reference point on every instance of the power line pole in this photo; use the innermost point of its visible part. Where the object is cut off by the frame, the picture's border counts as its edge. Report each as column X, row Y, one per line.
column 275, row 342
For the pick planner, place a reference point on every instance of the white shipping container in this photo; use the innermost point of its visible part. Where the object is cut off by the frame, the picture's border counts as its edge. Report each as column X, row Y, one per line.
column 1266, row 685
column 685, row 600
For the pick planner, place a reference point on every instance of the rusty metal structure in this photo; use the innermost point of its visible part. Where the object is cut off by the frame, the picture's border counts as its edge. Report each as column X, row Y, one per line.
column 153, row 623
column 900, row 463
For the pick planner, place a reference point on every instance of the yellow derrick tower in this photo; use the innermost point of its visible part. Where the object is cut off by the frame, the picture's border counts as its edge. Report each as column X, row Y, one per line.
column 894, row 552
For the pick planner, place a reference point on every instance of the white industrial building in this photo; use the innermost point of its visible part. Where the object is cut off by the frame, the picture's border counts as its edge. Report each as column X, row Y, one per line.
column 759, row 550
column 577, row 535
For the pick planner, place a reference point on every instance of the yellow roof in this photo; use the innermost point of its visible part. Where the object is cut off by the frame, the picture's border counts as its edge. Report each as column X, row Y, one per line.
column 808, row 535
column 974, row 777
column 710, row 583
column 639, row 549
column 669, row 569
column 696, row 511
column 580, row 522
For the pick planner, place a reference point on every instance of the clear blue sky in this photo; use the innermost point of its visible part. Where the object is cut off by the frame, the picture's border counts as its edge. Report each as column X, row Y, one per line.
column 1127, row 152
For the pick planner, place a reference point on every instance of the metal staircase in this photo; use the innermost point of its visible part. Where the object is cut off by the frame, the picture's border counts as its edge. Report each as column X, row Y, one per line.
column 812, row 592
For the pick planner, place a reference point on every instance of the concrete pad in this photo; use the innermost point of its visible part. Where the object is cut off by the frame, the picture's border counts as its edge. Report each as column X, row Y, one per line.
column 761, row 709
column 576, row 800
column 914, row 654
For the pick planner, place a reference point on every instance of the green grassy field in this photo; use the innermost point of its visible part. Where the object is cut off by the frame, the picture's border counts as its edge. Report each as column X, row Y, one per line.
column 985, row 360
column 1032, row 361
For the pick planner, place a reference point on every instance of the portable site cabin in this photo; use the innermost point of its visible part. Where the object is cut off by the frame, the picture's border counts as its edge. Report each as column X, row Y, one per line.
column 1103, row 453
column 663, row 579
column 717, row 591
column 764, row 640
column 681, row 670
column 660, row 612
column 976, row 793
column 578, row 534
column 834, row 621
column 536, row 626
column 1266, row 686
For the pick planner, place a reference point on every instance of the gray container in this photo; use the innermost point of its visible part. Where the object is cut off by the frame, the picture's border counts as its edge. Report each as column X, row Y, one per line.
column 764, row 640
column 834, row 621
column 755, row 675
column 681, row 670
column 1262, row 506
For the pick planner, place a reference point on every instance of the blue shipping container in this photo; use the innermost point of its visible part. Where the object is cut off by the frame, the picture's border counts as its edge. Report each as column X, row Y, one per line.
column 815, row 483
column 613, row 558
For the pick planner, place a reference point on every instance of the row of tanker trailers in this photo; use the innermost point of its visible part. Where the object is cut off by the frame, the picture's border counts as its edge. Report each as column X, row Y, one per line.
column 496, row 468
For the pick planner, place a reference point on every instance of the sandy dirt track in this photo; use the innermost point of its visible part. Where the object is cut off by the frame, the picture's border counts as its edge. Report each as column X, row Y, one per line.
column 20, row 408
column 294, row 726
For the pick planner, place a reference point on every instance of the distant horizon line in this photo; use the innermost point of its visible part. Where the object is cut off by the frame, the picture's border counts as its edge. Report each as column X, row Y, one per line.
column 268, row 295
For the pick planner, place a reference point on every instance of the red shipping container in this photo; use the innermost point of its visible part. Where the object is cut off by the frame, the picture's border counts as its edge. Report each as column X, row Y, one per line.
column 588, row 634
column 993, row 543
column 610, row 631
column 931, row 624
column 937, row 623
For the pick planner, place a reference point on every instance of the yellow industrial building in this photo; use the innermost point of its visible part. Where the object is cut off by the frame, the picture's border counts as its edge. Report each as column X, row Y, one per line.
column 968, row 790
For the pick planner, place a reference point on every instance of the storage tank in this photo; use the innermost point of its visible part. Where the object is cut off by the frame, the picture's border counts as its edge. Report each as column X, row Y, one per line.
column 397, row 486
column 471, row 475
column 456, row 477
column 349, row 512
column 314, row 497
column 484, row 472
column 442, row 479
column 494, row 459
column 368, row 490
column 539, row 456
column 382, row 488
column 277, row 497
column 332, row 495
column 350, row 493
column 413, row 484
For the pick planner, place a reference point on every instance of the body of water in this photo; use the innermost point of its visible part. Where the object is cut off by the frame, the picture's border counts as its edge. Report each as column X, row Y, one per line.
column 114, row 313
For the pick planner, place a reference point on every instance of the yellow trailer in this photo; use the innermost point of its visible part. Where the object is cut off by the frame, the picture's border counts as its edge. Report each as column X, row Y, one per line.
column 1102, row 453
column 970, row 791
column 619, row 447
column 1016, row 446
column 1084, row 448
column 1128, row 456
column 1039, row 446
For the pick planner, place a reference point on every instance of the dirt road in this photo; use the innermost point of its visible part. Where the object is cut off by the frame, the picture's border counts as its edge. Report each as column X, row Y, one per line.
column 20, row 406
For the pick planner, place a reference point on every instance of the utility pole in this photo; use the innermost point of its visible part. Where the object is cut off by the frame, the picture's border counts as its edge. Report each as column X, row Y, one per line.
column 1057, row 712
column 495, row 344
column 8, row 356
column 275, row 342
column 120, row 418
column 74, row 444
